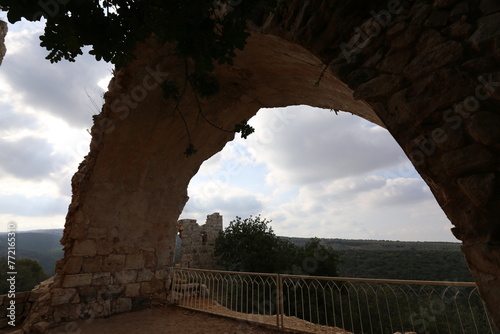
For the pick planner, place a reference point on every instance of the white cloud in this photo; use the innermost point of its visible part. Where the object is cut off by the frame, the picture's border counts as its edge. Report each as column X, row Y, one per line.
column 27, row 158
column 396, row 192
column 37, row 206
column 327, row 176
column 43, row 138
column 315, row 145
column 26, row 223
column 388, row 210
column 209, row 197
column 59, row 89
column 312, row 172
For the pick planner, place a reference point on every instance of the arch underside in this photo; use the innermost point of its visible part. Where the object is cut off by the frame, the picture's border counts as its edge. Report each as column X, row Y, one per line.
column 119, row 238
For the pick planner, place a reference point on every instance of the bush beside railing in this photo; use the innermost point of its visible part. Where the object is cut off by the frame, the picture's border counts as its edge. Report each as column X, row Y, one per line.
column 355, row 305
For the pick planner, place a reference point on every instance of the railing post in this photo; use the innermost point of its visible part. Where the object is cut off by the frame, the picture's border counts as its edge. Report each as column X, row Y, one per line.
column 279, row 306
column 282, row 302
column 172, row 286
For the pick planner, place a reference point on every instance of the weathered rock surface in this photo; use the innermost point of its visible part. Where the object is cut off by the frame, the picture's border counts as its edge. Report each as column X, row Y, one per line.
column 3, row 33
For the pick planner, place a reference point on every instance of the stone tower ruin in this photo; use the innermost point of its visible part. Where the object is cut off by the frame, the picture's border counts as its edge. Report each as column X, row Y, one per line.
column 197, row 246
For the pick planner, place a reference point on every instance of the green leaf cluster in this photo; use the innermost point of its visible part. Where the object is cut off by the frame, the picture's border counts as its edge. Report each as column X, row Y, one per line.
column 29, row 274
column 206, row 31
column 244, row 129
column 250, row 245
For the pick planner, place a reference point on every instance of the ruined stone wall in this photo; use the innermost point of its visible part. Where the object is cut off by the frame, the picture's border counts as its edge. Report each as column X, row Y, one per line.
column 197, row 247
column 19, row 311
column 3, row 33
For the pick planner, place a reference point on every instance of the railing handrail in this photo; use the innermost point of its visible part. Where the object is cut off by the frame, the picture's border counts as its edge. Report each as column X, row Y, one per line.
column 330, row 278
column 378, row 280
column 227, row 272
column 323, row 301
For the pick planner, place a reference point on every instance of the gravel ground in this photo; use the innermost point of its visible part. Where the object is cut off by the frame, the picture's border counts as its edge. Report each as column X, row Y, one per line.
column 170, row 319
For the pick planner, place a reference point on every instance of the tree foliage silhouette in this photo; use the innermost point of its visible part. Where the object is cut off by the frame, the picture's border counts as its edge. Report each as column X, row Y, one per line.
column 205, row 31
column 29, row 274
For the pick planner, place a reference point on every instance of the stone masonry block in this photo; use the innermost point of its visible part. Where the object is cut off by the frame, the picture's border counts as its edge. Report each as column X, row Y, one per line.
column 150, row 259
column 97, row 233
column 92, row 265
column 121, row 305
column 104, row 248
column 101, row 279
column 73, row 265
column 40, row 327
column 63, row 313
column 87, row 293
column 479, row 188
column 99, row 309
column 114, row 262
column 487, row 30
column 144, row 275
column 134, row 261
column 156, row 285
column 483, row 128
column 64, row 296
column 85, row 248
column 145, row 288
column 110, row 292
column 489, row 6
column 21, row 296
column 71, row 281
column 433, row 58
column 466, row 159
column 132, row 290
column 383, row 85
column 125, row 277
column 161, row 274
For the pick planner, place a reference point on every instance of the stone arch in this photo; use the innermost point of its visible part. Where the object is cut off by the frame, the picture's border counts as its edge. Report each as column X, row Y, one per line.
column 427, row 71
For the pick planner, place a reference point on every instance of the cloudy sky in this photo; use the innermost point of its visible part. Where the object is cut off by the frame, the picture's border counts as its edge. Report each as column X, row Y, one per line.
column 346, row 178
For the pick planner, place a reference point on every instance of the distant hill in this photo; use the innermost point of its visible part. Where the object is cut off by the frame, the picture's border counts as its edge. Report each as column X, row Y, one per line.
column 434, row 261
column 40, row 245
column 353, row 244
column 441, row 261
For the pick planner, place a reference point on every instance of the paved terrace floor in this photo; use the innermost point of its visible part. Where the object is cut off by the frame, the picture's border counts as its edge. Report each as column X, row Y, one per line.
column 169, row 319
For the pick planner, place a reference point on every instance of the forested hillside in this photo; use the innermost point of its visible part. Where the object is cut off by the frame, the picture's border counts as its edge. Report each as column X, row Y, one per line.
column 41, row 245
column 441, row 261
column 434, row 261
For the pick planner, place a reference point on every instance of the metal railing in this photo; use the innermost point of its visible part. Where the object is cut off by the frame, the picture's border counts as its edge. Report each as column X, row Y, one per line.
column 333, row 304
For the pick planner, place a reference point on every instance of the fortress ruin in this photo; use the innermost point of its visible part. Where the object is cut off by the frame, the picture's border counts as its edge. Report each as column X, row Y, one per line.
column 197, row 242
